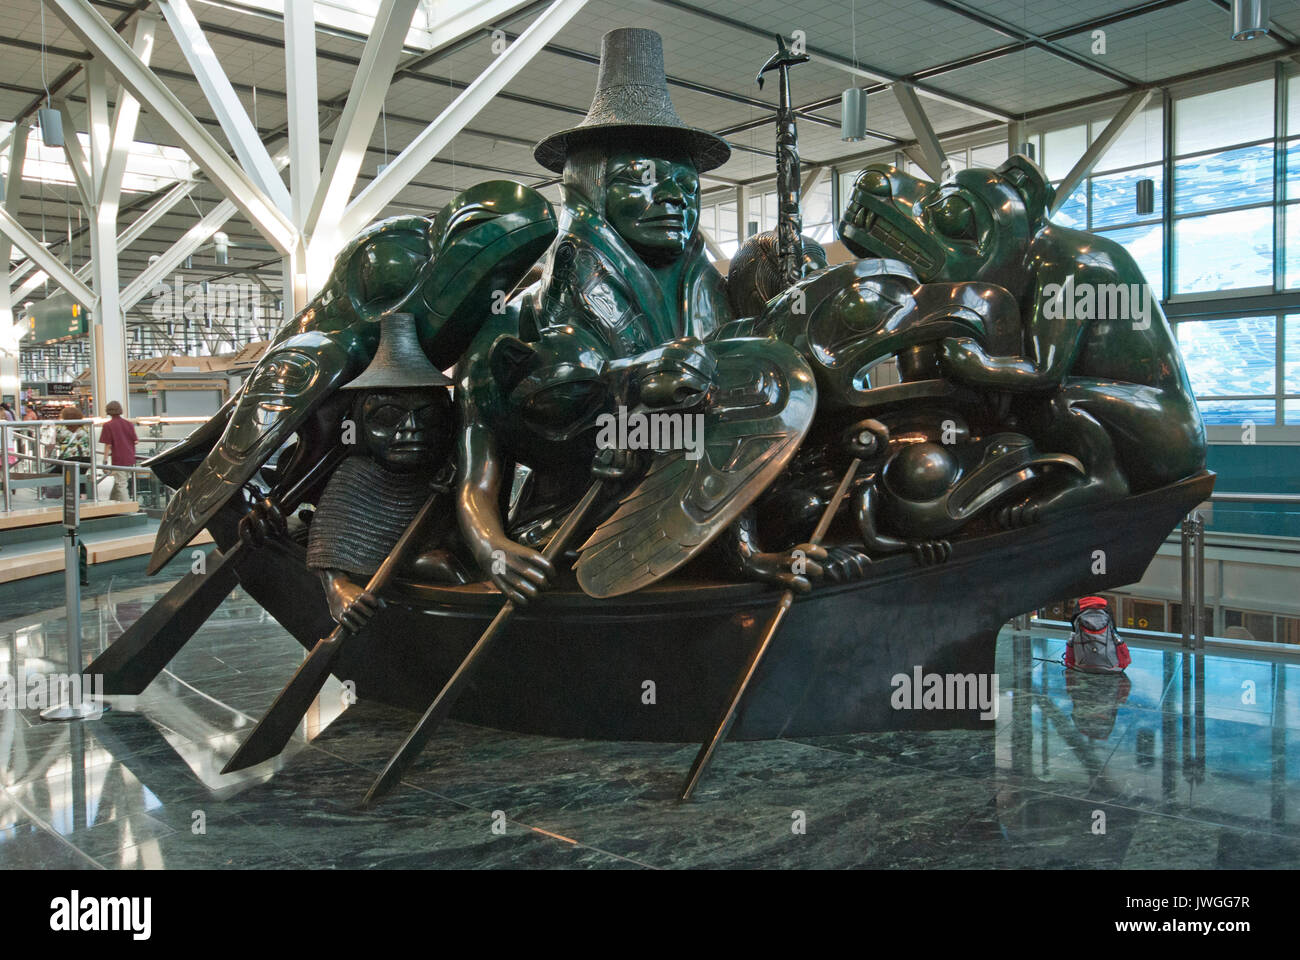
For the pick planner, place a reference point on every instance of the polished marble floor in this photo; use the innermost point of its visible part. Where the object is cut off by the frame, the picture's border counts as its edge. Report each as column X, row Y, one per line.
column 1189, row 762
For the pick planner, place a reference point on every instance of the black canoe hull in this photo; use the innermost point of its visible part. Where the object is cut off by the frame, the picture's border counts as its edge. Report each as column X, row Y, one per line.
column 658, row 664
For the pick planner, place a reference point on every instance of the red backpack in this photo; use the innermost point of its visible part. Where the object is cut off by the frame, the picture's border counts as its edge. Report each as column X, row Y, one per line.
column 1095, row 645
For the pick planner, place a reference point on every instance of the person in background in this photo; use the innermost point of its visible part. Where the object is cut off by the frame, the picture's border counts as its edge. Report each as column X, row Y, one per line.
column 11, row 441
column 119, row 436
column 71, row 441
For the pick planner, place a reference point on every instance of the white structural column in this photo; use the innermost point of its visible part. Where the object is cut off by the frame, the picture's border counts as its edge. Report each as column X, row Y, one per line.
column 9, row 334
column 933, row 160
column 408, row 164
column 13, row 186
column 221, row 96
column 304, row 112
column 352, row 135
column 76, row 158
column 304, row 140
column 100, row 39
column 110, row 146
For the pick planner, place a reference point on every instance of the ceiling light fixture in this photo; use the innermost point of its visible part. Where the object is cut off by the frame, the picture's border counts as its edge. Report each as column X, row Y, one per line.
column 1249, row 19
column 853, row 115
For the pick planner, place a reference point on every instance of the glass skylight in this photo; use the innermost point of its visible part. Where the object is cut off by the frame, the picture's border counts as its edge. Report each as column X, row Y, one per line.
column 149, row 166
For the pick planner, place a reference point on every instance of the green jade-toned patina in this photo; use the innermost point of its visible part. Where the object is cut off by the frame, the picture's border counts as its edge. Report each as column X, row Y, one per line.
column 445, row 270
column 1099, row 377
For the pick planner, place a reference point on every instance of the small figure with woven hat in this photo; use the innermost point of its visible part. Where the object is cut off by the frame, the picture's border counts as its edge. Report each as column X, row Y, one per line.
column 402, row 421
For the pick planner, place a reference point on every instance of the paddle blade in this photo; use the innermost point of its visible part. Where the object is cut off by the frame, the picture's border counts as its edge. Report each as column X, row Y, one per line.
column 275, row 729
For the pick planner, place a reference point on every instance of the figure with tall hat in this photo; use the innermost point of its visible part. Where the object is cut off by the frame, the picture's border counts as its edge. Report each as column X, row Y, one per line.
column 622, row 316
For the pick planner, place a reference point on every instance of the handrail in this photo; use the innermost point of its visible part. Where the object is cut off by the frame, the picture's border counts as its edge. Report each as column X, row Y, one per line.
column 1229, row 497
column 28, row 432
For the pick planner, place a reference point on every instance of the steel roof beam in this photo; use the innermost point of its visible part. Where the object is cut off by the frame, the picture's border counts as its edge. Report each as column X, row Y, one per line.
column 933, row 160
column 999, row 25
column 364, row 101
column 221, row 97
column 1104, row 141
column 100, row 38
column 384, row 188
column 51, row 264
column 303, row 108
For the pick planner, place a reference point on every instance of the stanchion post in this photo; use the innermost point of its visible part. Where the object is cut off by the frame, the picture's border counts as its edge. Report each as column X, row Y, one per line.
column 94, row 462
column 4, row 442
column 1199, row 579
column 1186, row 596
column 81, row 709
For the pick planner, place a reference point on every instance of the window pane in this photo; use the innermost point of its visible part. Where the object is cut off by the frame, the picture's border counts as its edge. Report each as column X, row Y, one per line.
column 1293, row 106
column 1291, row 220
column 1229, row 179
column 726, row 224
column 816, row 205
column 1291, row 355
column 990, row 156
column 1236, row 115
column 1292, row 191
column 1146, row 245
column 1233, row 357
column 1062, row 150
column 1074, row 212
column 1141, row 142
column 1224, row 251
column 1114, row 197
column 1292, row 412
column 1235, row 412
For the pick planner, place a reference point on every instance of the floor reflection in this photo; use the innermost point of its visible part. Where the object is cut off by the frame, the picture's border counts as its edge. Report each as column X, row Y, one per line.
column 1185, row 762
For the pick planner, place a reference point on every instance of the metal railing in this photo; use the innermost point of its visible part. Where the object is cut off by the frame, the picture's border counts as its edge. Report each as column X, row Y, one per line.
column 22, row 442
column 1192, row 593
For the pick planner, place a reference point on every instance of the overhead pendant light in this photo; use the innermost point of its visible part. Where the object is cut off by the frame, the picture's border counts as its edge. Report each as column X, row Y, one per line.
column 51, row 124
column 1249, row 19
column 853, row 115
column 1027, row 149
column 189, row 262
column 1146, row 196
column 221, row 247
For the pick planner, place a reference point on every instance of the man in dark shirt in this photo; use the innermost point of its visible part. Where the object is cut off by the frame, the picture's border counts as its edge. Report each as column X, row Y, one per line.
column 119, row 436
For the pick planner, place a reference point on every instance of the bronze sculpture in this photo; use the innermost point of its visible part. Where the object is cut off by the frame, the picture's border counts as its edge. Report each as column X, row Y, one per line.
column 1014, row 430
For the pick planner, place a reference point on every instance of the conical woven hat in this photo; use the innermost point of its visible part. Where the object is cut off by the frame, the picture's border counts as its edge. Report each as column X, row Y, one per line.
column 632, row 102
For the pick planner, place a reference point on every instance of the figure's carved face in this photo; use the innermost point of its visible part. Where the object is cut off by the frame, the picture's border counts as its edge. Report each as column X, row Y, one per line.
column 405, row 429
column 653, row 203
column 978, row 226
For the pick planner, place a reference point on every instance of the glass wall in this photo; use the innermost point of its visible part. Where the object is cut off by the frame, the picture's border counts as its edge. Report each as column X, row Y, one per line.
column 718, row 218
